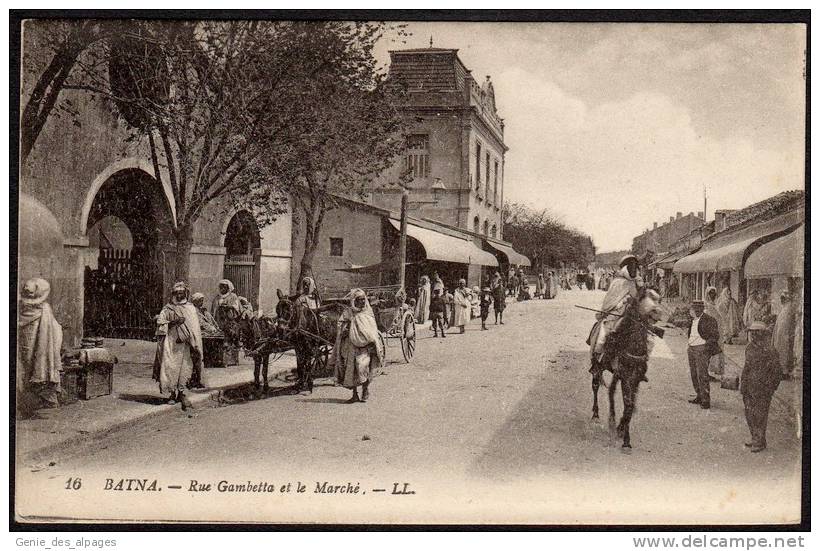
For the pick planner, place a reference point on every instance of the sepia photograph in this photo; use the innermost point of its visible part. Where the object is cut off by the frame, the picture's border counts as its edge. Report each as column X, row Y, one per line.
column 454, row 268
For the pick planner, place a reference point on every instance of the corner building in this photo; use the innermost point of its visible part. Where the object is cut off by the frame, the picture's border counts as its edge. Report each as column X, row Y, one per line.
column 455, row 150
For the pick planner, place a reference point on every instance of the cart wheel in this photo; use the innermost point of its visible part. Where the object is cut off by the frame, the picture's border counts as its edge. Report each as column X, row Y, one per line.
column 319, row 361
column 408, row 337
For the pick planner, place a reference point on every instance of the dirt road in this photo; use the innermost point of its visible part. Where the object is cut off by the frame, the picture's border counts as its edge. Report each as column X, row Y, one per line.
column 489, row 426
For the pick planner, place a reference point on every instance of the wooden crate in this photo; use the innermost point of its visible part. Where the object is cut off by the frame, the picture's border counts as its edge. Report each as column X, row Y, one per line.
column 84, row 382
column 70, row 384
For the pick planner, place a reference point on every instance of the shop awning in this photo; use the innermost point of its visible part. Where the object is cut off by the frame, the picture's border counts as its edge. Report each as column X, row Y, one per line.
column 781, row 257
column 668, row 261
column 513, row 256
column 726, row 252
column 386, row 266
column 447, row 248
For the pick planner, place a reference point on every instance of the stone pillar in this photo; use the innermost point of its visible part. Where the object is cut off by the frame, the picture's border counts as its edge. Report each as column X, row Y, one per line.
column 207, row 267
column 274, row 267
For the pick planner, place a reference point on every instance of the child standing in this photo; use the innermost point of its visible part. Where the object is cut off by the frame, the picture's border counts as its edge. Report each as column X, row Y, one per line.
column 437, row 313
column 485, row 299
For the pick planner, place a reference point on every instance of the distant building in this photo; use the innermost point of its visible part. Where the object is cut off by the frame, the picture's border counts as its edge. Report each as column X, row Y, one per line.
column 660, row 239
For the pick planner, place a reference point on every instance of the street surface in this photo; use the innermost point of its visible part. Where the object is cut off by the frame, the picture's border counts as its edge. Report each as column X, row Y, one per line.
column 486, row 427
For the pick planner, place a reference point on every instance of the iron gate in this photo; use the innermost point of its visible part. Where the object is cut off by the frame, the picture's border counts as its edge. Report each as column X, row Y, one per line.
column 240, row 269
column 121, row 295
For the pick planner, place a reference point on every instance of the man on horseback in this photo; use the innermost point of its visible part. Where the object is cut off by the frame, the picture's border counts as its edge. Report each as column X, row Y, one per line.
column 624, row 288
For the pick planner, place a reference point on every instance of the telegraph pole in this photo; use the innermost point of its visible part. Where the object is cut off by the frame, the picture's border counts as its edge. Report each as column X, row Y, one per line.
column 405, row 196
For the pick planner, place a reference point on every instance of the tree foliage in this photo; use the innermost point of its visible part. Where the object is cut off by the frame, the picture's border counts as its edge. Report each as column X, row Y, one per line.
column 354, row 133
column 227, row 108
column 545, row 239
column 55, row 47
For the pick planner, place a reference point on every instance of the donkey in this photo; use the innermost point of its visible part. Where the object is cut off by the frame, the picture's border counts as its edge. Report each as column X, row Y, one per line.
column 262, row 336
column 312, row 333
column 626, row 354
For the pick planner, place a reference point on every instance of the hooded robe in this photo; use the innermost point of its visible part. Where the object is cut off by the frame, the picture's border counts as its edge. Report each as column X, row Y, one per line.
column 358, row 351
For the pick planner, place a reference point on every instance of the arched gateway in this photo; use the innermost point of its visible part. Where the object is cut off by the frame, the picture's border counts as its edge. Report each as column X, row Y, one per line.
column 130, row 223
column 242, row 243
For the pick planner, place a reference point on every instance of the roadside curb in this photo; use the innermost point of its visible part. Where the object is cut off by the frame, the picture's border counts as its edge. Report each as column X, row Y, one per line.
column 78, row 439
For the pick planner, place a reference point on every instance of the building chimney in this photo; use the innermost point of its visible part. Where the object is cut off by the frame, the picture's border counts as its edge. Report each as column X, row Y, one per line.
column 671, row 218
column 700, row 214
column 678, row 215
column 654, row 225
column 720, row 220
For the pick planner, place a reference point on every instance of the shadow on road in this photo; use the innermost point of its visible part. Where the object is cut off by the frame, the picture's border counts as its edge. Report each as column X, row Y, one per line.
column 150, row 399
column 324, row 400
column 550, row 425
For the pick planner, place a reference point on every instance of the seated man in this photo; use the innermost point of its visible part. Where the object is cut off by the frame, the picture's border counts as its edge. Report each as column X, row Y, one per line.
column 207, row 323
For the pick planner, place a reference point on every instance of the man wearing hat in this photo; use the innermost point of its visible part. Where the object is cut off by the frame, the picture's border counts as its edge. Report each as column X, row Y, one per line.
column 758, row 382
column 39, row 339
column 703, row 335
column 625, row 286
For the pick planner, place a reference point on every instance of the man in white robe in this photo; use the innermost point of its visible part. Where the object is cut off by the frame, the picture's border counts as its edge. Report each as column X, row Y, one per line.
column 462, row 304
column 624, row 286
column 39, row 339
column 180, row 345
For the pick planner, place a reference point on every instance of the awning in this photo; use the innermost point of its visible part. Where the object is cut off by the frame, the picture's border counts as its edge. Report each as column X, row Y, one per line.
column 386, row 266
column 447, row 248
column 726, row 252
column 513, row 256
column 781, row 257
column 668, row 261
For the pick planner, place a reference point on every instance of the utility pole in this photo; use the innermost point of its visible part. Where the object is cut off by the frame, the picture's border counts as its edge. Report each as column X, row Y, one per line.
column 405, row 197
column 437, row 187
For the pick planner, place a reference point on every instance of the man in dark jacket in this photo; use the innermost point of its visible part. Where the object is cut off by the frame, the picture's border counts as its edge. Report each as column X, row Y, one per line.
column 703, row 336
column 759, row 380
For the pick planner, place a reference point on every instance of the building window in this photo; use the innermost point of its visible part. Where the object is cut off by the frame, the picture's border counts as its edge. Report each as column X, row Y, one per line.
column 494, row 231
column 418, row 155
column 487, row 177
column 495, row 184
column 476, row 224
column 477, row 166
column 337, row 246
column 486, row 227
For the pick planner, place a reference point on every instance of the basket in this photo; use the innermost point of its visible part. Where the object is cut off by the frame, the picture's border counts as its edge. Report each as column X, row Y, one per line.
column 730, row 382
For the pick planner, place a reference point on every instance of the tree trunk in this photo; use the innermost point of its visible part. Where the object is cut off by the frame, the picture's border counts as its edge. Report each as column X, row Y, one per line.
column 311, row 244
column 313, row 225
column 182, row 263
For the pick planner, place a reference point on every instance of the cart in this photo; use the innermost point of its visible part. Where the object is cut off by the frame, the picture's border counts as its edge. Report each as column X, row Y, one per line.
column 394, row 319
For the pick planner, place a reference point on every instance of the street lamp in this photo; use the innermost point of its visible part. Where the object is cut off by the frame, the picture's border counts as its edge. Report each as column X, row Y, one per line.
column 437, row 187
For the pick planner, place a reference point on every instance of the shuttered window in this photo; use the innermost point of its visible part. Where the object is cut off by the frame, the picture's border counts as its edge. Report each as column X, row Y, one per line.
column 418, row 155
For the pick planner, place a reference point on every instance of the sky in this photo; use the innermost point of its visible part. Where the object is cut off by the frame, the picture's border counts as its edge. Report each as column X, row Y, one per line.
column 615, row 126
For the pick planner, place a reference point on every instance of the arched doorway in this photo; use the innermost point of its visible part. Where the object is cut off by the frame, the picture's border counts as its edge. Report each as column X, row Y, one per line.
column 129, row 223
column 241, row 261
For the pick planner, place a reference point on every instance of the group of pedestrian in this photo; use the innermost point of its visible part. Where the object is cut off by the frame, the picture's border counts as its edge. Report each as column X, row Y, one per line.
column 546, row 286
column 731, row 325
column 759, row 379
column 182, row 324
column 455, row 310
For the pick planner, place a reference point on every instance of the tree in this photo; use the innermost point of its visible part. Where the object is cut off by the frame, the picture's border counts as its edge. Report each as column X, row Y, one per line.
column 214, row 101
column 62, row 43
column 355, row 130
column 545, row 239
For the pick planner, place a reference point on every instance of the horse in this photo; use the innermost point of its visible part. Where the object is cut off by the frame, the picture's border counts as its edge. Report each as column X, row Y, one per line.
column 626, row 354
